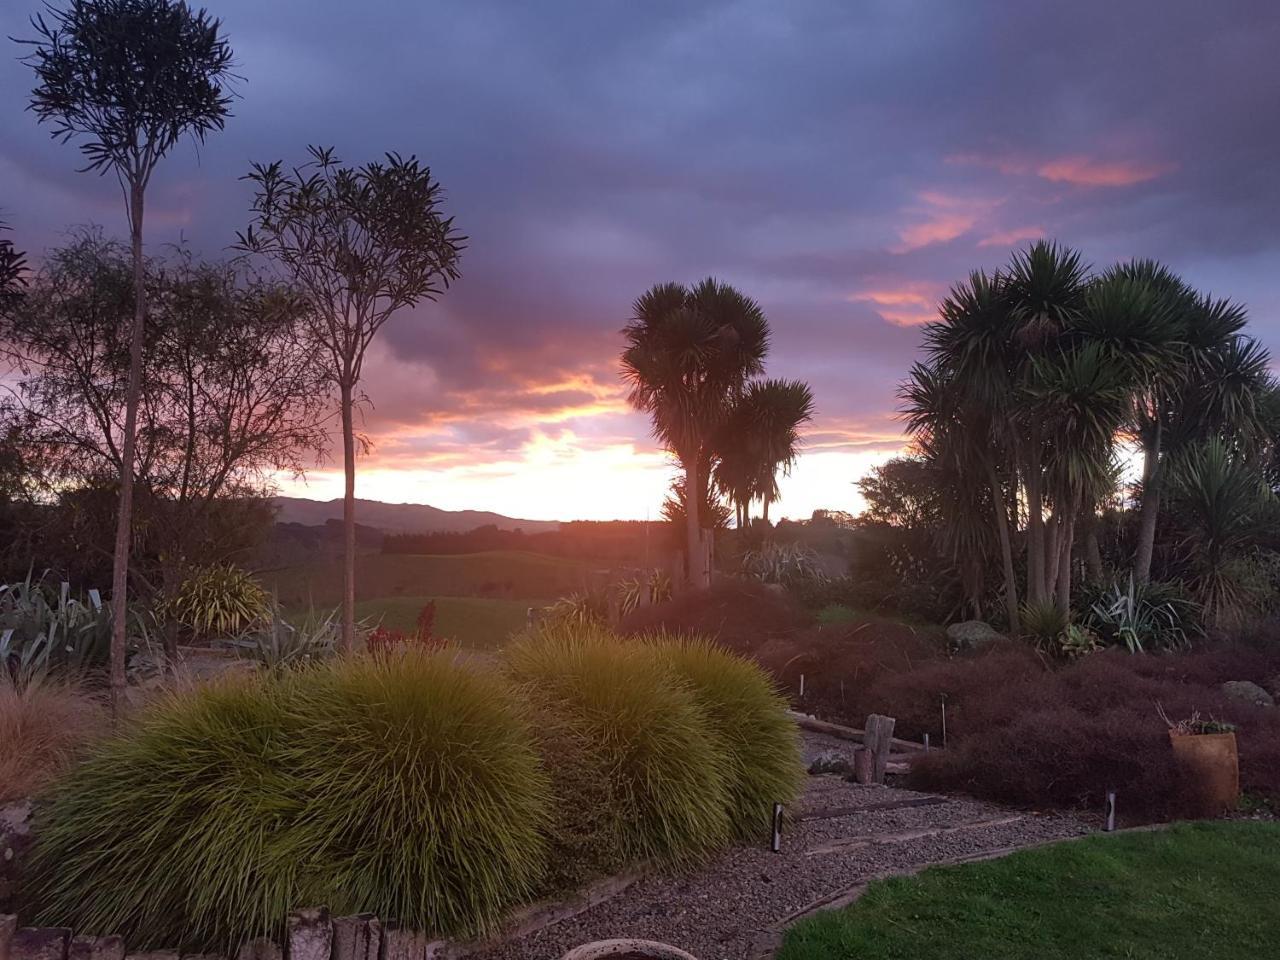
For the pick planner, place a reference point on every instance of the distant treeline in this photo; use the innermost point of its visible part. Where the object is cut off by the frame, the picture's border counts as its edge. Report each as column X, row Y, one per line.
column 617, row 541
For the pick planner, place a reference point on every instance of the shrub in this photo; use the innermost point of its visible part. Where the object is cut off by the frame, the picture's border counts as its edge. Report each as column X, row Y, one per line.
column 43, row 726
column 46, row 629
column 1150, row 617
column 275, row 642
column 218, row 600
column 641, row 733
column 749, row 721
column 785, row 563
column 406, row 786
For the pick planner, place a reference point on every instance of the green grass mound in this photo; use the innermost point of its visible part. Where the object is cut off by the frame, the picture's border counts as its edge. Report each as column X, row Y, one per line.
column 639, row 742
column 406, row 786
column 749, row 720
column 1193, row 892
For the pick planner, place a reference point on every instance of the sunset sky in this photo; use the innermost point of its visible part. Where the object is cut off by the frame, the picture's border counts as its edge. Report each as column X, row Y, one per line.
column 842, row 163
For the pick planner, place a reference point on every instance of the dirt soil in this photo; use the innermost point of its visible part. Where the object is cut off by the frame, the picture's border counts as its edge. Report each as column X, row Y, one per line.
column 840, row 834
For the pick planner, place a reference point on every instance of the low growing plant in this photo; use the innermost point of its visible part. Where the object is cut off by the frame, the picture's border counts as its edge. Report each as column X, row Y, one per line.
column 787, row 564
column 1152, row 617
column 748, row 719
column 407, row 786
column 219, row 600
column 46, row 628
column 641, row 732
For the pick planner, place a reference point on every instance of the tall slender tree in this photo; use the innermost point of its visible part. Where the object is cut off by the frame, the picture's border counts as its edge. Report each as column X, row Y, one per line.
column 760, row 437
column 689, row 354
column 131, row 77
column 361, row 244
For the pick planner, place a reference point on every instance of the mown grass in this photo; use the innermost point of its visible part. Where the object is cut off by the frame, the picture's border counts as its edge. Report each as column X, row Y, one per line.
column 473, row 623
column 499, row 574
column 1202, row 891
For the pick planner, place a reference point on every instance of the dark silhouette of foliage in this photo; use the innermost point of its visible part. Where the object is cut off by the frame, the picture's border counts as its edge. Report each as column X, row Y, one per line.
column 360, row 243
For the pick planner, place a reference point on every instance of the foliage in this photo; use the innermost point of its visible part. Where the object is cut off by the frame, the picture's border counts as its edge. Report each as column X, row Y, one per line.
column 759, row 437
column 313, row 786
column 784, row 563
column 1223, row 505
column 581, row 609
column 1078, row 641
column 218, row 600
column 643, row 736
column 44, row 628
column 1043, row 623
column 1026, row 735
column 654, row 587
column 748, row 719
column 44, row 725
column 382, row 640
column 13, row 264
column 1193, row 892
column 229, row 398
column 1194, row 725
column 1152, row 617
column 274, row 641
column 359, row 243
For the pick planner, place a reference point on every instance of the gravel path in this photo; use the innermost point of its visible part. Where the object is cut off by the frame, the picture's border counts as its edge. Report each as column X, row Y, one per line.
column 718, row 912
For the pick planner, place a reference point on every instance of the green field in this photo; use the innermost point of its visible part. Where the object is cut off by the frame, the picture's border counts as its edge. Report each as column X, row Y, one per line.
column 1202, row 891
column 505, row 575
column 474, row 623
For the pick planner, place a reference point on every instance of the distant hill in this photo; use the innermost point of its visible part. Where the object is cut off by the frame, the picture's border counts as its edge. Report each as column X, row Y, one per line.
column 401, row 517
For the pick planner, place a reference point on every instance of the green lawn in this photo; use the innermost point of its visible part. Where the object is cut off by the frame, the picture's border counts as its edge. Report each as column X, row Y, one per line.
column 474, row 623
column 1194, row 892
column 507, row 575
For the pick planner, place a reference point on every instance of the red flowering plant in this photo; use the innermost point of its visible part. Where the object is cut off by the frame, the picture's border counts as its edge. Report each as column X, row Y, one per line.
column 382, row 639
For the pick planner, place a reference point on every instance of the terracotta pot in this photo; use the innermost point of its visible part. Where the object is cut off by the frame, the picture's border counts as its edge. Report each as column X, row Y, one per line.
column 1214, row 766
column 627, row 950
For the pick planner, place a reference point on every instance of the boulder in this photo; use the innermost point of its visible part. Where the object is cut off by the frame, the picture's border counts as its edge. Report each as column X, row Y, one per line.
column 1247, row 691
column 971, row 633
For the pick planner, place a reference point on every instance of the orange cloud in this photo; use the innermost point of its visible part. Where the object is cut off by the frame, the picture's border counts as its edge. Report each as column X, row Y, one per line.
column 941, row 218
column 907, row 306
column 1084, row 172
column 1078, row 170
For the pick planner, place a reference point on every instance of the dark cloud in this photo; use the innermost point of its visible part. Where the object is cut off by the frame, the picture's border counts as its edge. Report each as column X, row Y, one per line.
column 843, row 163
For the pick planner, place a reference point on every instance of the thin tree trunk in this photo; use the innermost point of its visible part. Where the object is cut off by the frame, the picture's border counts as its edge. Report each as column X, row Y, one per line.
column 1006, row 550
column 1035, row 524
column 1092, row 552
column 348, row 521
column 1150, row 507
column 693, row 526
column 1067, row 539
column 124, row 514
column 765, row 513
column 1053, row 537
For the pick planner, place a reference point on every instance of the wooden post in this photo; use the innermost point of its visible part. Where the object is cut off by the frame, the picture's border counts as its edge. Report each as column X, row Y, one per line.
column 405, row 945
column 259, row 948
column 357, row 938
column 8, row 927
column 863, row 765
column 776, row 845
column 879, row 740
column 310, row 935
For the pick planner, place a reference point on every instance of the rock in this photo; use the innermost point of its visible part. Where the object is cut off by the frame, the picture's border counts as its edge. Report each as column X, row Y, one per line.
column 969, row 634
column 831, row 761
column 1247, row 691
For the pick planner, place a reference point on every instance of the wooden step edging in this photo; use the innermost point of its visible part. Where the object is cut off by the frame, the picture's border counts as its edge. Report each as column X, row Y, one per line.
column 809, row 722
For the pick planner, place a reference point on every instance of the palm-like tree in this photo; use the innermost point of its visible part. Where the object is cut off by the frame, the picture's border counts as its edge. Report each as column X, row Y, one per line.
column 760, row 438
column 689, row 355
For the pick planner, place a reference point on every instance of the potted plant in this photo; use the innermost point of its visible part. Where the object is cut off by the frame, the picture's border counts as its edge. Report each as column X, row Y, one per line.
column 1206, row 750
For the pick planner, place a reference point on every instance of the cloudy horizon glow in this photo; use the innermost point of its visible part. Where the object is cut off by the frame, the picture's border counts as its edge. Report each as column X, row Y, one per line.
column 843, row 165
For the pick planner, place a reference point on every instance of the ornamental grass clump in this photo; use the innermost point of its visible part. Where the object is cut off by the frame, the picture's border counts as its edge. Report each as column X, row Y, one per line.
column 406, row 786
column 640, row 738
column 748, row 719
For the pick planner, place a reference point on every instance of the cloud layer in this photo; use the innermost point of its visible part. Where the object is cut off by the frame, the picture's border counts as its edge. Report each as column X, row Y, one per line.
column 844, row 164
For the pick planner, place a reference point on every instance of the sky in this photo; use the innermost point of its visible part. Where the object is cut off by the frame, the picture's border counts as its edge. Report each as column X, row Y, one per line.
column 841, row 163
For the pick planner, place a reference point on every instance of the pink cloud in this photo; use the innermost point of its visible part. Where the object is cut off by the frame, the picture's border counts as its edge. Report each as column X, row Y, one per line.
column 1010, row 238
column 906, row 305
column 1079, row 170
column 941, row 218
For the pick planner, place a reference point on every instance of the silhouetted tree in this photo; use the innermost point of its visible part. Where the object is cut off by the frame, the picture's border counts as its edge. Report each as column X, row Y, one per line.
column 12, row 265
column 131, row 76
column 360, row 243
column 229, row 397
column 689, row 355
